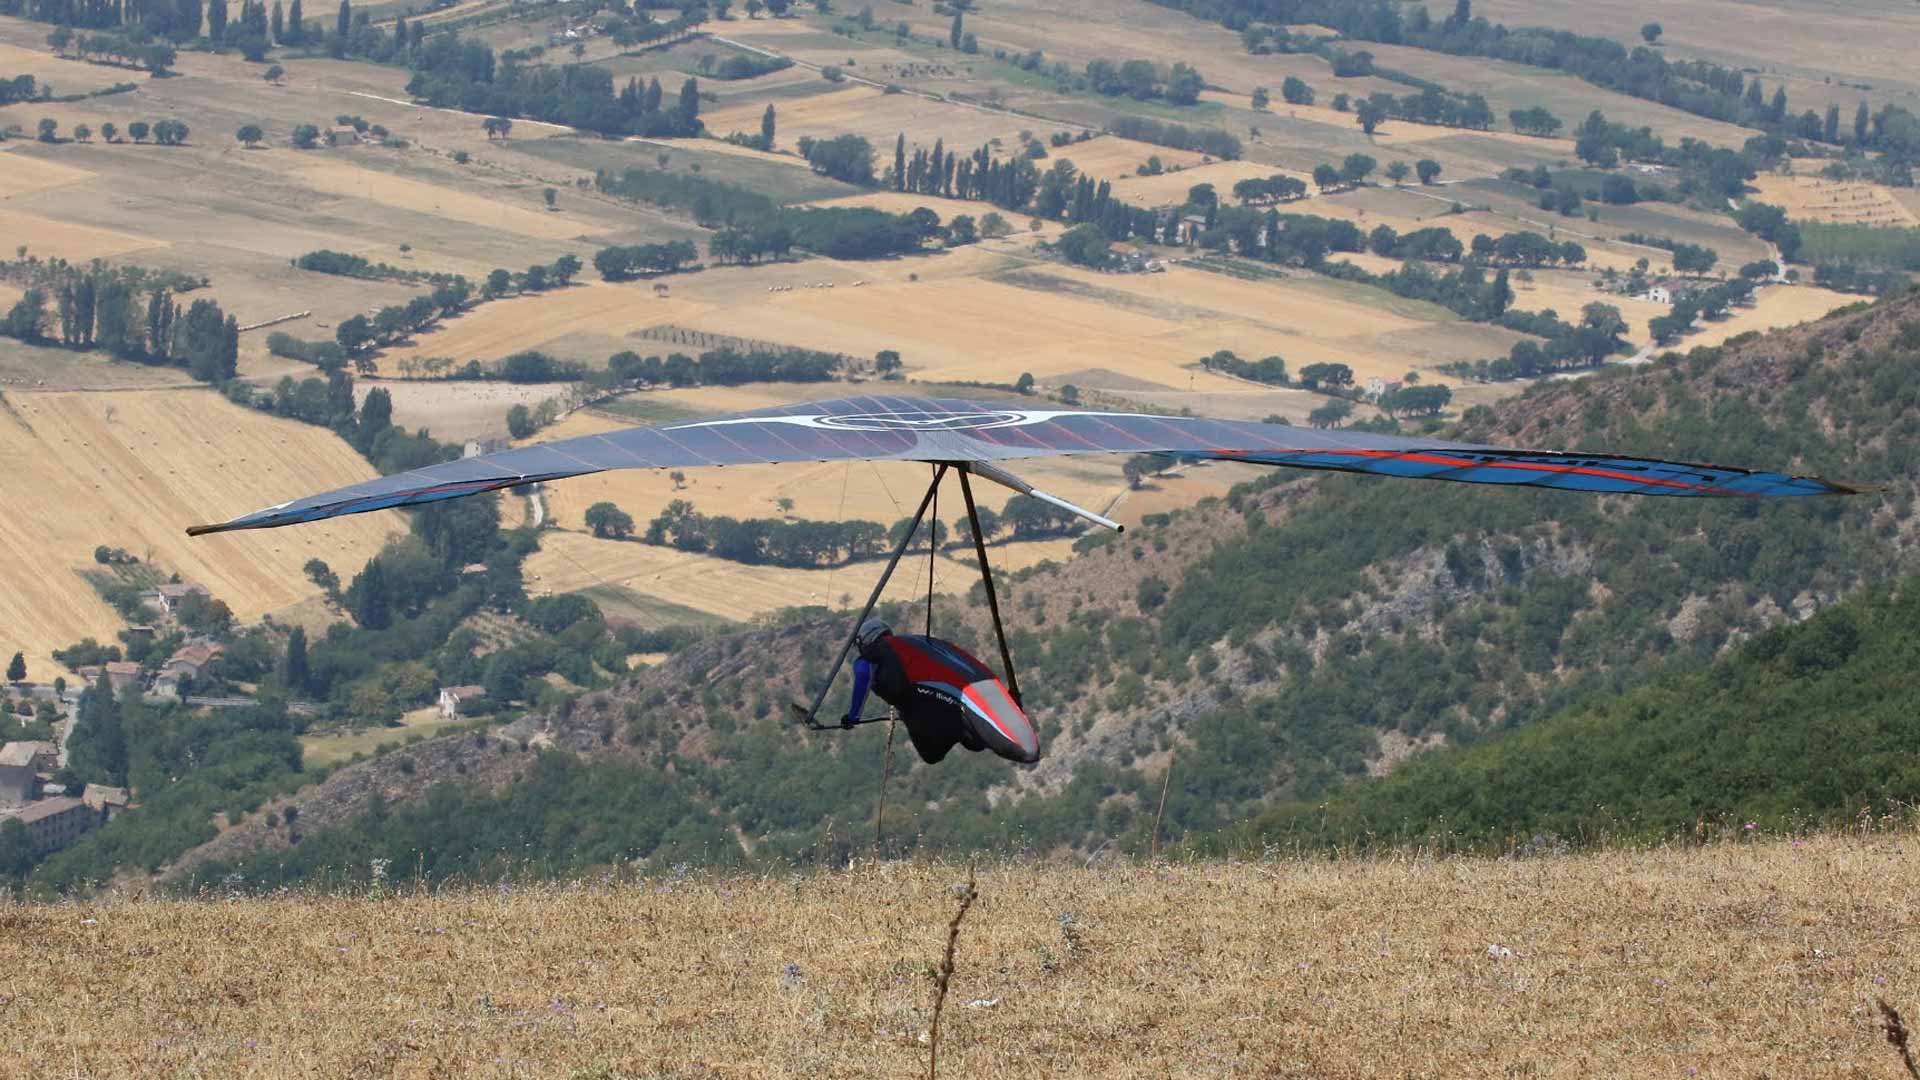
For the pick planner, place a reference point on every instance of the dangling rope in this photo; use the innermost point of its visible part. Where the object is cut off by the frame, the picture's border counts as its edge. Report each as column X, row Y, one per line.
column 933, row 549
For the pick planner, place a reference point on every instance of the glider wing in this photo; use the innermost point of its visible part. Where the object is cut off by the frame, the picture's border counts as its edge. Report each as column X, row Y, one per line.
column 938, row 429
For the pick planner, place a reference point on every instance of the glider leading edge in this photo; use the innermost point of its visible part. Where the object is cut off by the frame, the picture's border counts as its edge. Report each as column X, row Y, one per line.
column 969, row 437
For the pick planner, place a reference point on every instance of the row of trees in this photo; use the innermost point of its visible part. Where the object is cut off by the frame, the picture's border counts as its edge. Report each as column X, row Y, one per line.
column 118, row 311
column 623, row 262
column 1143, row 80
column 163, row 132
column 137, row 50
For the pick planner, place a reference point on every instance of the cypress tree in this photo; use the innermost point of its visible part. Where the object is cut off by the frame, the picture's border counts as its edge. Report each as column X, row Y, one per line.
column 296, row 30
column 217, row 20
column 295, row 673
column 1860, row 119
column 900, row 162
column 766, row 129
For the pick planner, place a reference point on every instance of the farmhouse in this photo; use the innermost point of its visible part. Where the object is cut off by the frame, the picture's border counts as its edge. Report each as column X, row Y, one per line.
column 192, row 661
column 453, row 697
column 55, row 823
column 105, row 801
column 1659, row 294
column 19, row 762
column 170, row 594
column 123, row 676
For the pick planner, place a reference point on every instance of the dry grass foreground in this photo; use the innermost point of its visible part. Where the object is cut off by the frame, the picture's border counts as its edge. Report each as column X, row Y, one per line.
column 1734, row 960
column 133, row 470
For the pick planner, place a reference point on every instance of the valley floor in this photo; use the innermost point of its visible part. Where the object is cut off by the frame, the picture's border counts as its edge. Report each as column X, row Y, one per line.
column 1734, row 959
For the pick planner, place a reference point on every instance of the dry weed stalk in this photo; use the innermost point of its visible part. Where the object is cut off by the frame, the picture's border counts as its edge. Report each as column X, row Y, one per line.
column 1153, row 848
column 1897, row 1036
column 946, row 975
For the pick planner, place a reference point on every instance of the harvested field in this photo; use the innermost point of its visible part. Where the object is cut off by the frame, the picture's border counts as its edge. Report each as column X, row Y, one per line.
column 1776, row 306
column 504, row 327
column 75, row 243
column 141, row 467
column 336, row 177
column 459, row 411
column 63, row 76
column 23, row 173
column 879, row 116
column 1840, row 202
column 1816, row 47
column 1170, row 189
column 1109, row 157
column 1566, row 292
column 1730, row 960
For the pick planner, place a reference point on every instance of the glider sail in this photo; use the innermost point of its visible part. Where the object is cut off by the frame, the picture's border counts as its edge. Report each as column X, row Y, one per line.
column 947, row 430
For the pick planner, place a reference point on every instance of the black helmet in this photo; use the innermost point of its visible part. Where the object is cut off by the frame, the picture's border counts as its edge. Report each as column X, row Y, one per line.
column 871, row 631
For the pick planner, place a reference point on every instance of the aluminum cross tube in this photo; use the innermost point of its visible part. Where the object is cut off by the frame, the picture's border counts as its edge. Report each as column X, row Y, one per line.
column 1007, row 480
column 986, row 578
column 879, row 587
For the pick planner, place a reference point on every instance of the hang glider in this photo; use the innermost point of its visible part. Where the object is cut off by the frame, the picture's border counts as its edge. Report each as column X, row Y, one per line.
column 980, row 433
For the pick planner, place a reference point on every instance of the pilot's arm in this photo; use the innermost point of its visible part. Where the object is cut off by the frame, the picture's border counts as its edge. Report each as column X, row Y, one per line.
column 862, row 678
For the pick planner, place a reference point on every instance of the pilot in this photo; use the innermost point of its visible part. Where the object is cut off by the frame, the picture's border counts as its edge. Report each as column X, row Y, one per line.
column 944, row 696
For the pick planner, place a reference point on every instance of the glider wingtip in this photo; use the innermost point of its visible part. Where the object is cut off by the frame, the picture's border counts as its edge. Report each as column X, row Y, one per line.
column 202, row 530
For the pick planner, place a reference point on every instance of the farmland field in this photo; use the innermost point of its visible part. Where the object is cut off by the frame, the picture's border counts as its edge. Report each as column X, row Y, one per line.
column 133, row 470
column 1840, row 202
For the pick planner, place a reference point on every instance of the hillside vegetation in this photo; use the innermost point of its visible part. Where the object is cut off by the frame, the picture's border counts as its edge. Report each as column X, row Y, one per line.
column 1817, row 720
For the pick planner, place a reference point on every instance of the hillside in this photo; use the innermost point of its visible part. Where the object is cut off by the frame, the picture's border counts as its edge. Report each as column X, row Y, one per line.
column 1304, row 630
column 1738, row 959
column 1806, row 722
column 130, row 470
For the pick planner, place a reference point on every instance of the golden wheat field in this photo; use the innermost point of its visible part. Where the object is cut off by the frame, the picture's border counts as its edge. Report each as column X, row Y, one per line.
column 1844, row 202
column 132, row 470
column 1726, row 961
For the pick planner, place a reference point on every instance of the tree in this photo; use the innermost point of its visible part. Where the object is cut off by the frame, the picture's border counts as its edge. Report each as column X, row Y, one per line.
column 1830, row 131
column 498, row 126
column 1331, row 414
column 49, row 130
column 296, row 27
column 278, row 26
column 1085, row 245
column 82, row 133
column 138, row 130
column 293, row 669
column 17, row 668
column 1428, row 170
column 1397, row 171
column 1260, row 99
column 520, row 422
column 1861, row 119
column 110, row 132
column 342, row 28
column 766, row 128
column 1295, row 91
column 1650, row 32
column 609, row 522
column 900, row 161
column 274, row 73
column 354, row 334
column 323, row 578
column 306, row 136
column 565, row 268
column 1326, row 177
column 956, row 31
column 250, row 135
column 886, row 361
column 1370, row 114
column 497, row 284
column 552, row 196
column 1355, row 169
column 98, row 746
